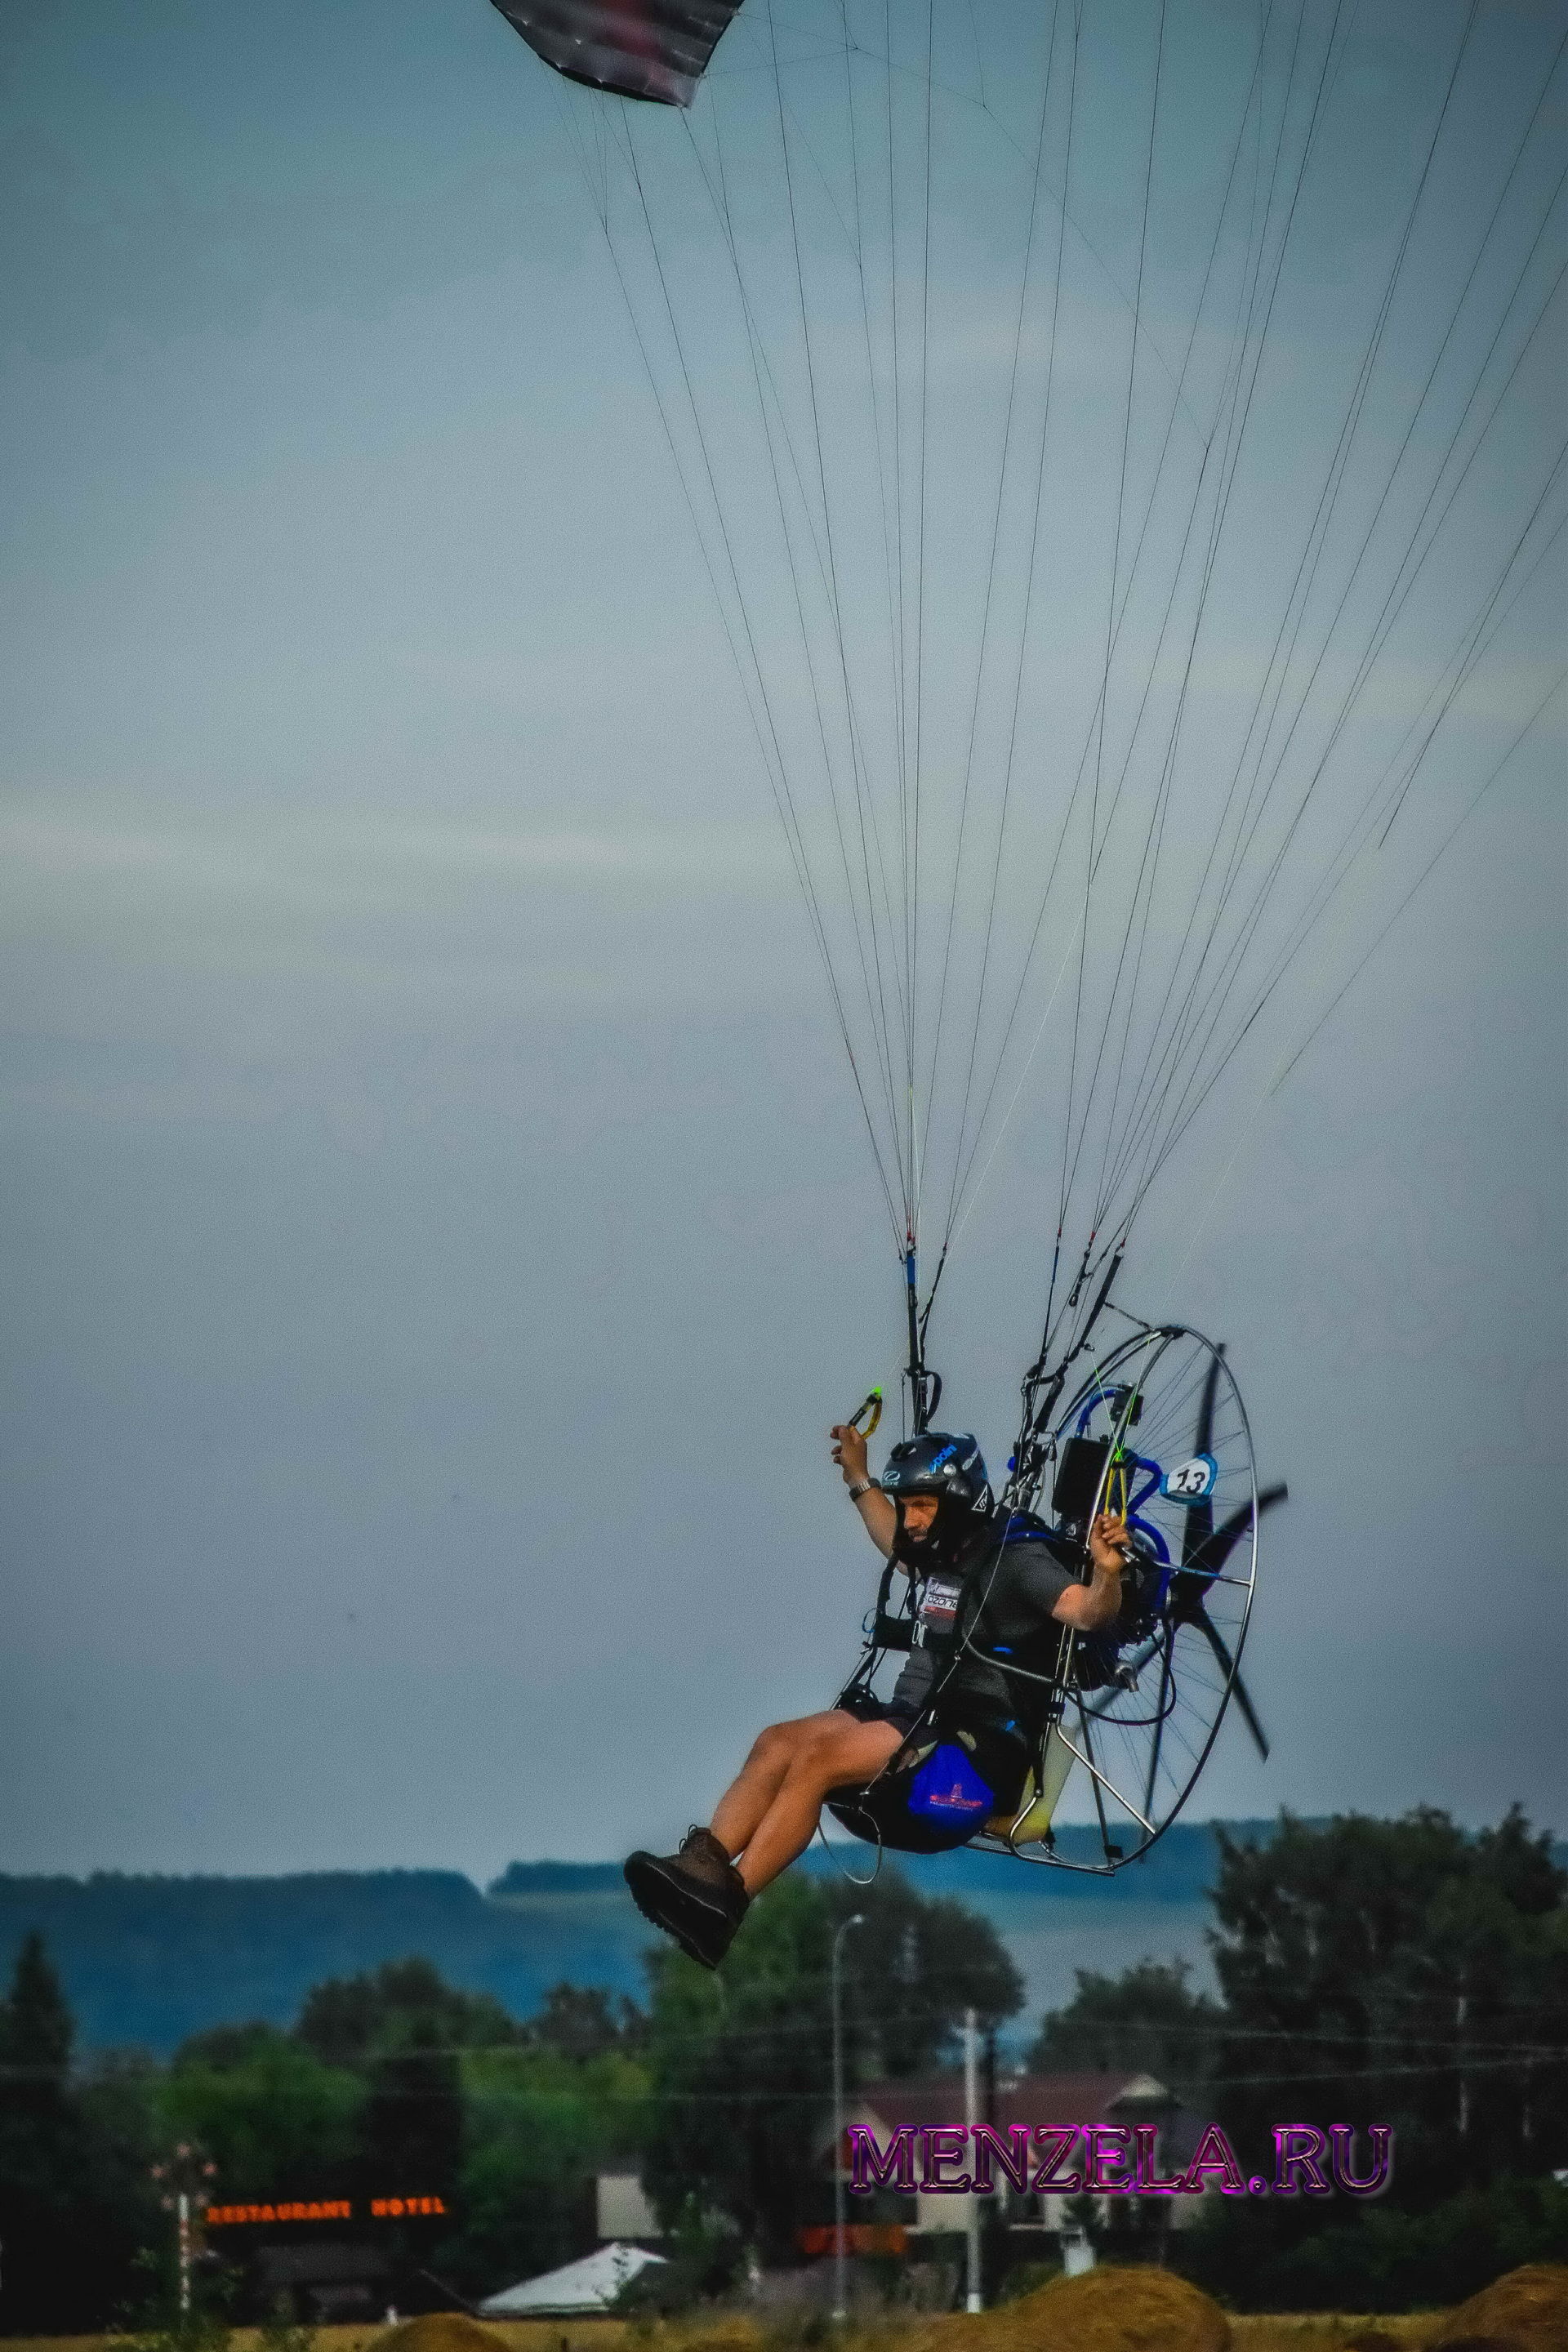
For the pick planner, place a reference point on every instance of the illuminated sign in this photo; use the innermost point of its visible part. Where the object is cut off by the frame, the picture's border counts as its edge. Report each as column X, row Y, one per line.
column 326, row 2208
column 322, row 2208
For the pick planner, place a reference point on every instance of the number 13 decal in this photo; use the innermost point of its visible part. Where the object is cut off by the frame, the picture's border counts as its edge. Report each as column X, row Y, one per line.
column 1192, row 1481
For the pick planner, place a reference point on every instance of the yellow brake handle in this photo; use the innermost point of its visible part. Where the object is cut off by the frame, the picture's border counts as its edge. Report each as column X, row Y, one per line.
column 867, row 1416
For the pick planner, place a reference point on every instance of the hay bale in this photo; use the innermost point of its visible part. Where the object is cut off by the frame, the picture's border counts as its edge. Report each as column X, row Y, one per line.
column 1525, row 2311
column 1111, row 2309
column 440, row 2331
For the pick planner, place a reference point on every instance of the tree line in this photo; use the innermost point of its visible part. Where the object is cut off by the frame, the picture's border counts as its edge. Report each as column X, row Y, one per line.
column 1407, row 1973
column 394, row 2085
column 1403, row 1972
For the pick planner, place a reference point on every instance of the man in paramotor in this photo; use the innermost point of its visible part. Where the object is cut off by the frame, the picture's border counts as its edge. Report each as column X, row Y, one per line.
column 987, row 1585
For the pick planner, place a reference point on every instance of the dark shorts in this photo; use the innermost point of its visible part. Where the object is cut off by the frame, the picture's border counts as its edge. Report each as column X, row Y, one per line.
column 867, row 1709
column 889, row 1813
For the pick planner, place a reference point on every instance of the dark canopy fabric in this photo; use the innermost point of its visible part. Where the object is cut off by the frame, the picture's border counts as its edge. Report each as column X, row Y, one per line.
column 638, row 49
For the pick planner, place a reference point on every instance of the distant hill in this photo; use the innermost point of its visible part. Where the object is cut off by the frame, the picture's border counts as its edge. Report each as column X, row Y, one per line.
column 148, row 1961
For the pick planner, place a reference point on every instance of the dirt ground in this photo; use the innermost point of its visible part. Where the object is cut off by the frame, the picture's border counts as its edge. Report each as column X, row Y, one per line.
column 1317, row 2331
column 1524, row 2311
column 1323, row 2331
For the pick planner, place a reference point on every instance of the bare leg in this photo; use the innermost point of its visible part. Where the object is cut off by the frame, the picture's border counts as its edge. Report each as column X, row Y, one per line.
column 800, row 1763
column 762, row 1776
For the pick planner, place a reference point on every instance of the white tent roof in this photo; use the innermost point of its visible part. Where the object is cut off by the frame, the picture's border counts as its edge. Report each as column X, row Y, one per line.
column 590, row 2285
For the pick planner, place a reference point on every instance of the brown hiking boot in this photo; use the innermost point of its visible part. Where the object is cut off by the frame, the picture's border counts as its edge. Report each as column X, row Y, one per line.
column 702, row 1853
column 695, row 1895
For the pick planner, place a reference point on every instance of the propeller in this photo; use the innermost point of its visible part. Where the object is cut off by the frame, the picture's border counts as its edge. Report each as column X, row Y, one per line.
column 1191, row 1583
column 1200, row 1515
column 1187, row 1592
column 1205, row 1549
column 1211, row 1634
column 1206, row 1560
column 1154, row 1772
column 1211, row 1555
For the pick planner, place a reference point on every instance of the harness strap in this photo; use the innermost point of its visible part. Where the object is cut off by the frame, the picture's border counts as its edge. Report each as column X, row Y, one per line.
column 892, row 1633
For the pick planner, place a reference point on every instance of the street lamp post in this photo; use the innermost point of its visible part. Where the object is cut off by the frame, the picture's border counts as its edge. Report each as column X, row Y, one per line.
column 840, row 2278
column 187, row 2180
column 972, row 2300
column 183, row 2238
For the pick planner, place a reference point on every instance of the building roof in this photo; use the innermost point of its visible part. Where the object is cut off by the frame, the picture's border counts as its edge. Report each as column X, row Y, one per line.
column 589, row 2285
column 1025, row 2099
column 1058, row 2100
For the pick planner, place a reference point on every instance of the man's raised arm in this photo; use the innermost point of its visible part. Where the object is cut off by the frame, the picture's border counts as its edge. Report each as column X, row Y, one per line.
column 1087, row 1607
column 878, row 1515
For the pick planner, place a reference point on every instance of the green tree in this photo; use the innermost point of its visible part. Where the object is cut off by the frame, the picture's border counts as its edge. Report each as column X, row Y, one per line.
column 1415, row 1973
column 75, row 2201
column 41, row 2139
column 541, row 2122
column 403, row 2005
column 404, row 2029
column 912, row 1970
column 582, row 2020
column 1385, row 2258
column 278, row 2120
column 740, row 2064
column 123, row 2134
column 37, row 2029
column 1147, row 2020
column 397, row 2081
column 1403, row 1972
column 411, row 2126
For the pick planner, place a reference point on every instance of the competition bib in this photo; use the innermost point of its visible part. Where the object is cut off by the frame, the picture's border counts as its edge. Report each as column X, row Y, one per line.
column 940, row 1597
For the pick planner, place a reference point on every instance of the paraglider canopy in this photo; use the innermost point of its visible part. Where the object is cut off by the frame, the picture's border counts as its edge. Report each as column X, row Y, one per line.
column 657, row 49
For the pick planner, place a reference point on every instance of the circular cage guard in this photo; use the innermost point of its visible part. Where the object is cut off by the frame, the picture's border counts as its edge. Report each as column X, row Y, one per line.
column 1157, row 1433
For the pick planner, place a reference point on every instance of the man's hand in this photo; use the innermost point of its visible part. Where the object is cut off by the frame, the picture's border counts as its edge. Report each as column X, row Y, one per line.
column 1108, row 1544
column 878, row 1516
column 850, row 1452
column 1087, row 1607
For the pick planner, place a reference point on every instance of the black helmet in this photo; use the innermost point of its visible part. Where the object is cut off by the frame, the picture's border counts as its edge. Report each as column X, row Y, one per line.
column 951, row 1469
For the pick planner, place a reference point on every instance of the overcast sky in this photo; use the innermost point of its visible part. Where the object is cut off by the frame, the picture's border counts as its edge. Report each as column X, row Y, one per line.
column 437, row 1225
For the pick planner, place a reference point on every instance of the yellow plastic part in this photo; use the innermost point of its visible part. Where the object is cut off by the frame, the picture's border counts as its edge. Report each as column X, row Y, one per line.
column 1042, row 1793
column 872, row 1408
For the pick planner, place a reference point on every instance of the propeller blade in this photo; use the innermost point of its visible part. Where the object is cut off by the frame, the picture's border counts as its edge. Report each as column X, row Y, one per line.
column 1249, row 1717
column 1199, row 1525
column 1198, row 1532
column 1239, row 1690
column 1154, row 1772
column 1205, row 1406
column 1212, row 1556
